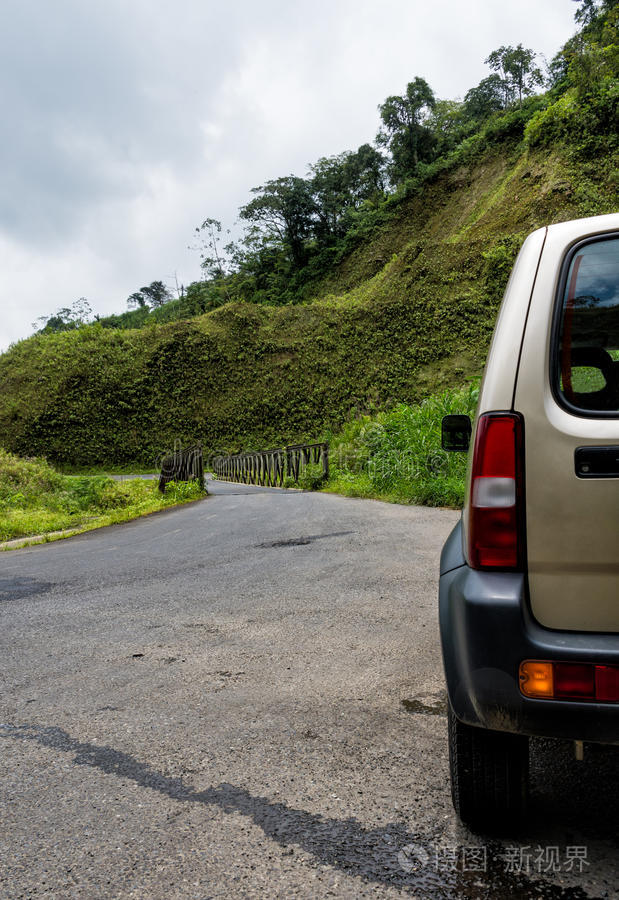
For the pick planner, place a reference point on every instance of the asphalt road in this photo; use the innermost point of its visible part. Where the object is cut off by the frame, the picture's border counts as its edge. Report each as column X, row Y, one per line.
column 243, row 698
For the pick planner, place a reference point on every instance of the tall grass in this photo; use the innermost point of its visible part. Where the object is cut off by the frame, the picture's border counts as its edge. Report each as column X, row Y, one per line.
column 35, row 499
column 397, row 454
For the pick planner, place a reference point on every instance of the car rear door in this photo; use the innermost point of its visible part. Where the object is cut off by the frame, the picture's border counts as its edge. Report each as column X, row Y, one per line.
column 567, row 389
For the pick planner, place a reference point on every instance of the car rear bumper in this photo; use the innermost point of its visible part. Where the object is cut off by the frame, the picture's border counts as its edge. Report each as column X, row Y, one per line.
column 487, row 630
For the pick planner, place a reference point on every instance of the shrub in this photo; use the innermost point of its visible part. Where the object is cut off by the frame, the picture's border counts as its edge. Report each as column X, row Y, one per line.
column 311, row 476
column 182, row 491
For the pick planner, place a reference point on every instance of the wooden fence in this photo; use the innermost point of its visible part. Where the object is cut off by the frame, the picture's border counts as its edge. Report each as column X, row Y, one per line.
column 182, row 465
column 271, row 468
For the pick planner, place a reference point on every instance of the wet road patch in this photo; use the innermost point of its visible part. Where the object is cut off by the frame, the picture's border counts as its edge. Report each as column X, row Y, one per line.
column 436, row 707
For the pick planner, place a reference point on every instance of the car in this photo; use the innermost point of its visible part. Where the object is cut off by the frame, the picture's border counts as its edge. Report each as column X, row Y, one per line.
column 529, row 577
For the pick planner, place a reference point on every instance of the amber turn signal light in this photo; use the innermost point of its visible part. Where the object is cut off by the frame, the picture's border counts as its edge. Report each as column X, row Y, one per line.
column 536, row 678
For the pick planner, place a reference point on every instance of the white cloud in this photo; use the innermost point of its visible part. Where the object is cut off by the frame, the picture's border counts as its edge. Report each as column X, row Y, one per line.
column 125, row 125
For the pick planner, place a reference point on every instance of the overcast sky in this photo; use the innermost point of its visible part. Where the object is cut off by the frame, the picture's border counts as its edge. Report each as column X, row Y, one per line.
column 128, row 122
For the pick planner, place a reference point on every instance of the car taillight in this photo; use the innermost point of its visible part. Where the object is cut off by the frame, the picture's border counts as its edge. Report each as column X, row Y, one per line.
column 497, row 493
column 552, row 680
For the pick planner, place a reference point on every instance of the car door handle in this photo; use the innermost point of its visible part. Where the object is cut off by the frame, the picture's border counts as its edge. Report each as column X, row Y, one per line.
column 597, row 462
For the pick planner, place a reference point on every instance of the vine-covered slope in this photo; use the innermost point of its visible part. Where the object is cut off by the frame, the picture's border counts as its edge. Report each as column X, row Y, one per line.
column 409, row 311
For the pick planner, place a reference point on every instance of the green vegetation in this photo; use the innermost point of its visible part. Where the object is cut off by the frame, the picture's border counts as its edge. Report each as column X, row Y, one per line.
column 367, row 286
column 35, row 499
column 127, row 469
column 397, row 456
column 409, row 312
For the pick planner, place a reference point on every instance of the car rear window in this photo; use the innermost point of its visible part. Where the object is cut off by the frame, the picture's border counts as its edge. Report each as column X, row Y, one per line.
column 586, row 361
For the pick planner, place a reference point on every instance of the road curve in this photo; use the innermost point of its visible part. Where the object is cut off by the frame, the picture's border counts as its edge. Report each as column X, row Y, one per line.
column 243, row 697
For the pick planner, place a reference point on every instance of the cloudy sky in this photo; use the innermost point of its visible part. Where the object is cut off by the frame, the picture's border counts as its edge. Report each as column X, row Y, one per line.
column 128, row 122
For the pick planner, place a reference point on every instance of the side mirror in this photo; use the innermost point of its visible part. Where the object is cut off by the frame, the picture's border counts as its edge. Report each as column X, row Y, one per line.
column 456, row 433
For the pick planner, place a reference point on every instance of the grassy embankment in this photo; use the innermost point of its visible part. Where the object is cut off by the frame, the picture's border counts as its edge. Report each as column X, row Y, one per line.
column 397, row 455
column 35, row 499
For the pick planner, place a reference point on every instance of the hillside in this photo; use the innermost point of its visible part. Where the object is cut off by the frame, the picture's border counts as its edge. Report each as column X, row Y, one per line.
column 409, row 311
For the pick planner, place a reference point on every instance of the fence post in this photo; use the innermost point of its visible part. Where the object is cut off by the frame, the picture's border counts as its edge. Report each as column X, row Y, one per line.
column 182, row 465
column 268, row 468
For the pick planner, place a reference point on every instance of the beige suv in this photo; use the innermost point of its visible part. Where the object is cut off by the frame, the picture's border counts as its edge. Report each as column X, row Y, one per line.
column 529, row 585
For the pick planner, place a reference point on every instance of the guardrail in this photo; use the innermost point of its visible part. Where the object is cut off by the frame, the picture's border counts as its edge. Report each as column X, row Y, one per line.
column 182, row 465
column 270, row 468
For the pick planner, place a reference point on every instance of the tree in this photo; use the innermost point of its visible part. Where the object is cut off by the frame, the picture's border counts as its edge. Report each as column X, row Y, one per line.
column 590, row 10
column 284, row 211
column 331, row 186
column 366, row 173
column 215, row 259
column 218, row 262
column 593, row 60
column 157, row 293
column 448, row 123
column 557, row 68
column 589, row 58
column 525, row 75
column 66, row 318
column 340, row 184
column 497, row 62
column 516, row 68
column 486, row 98
column 137, row 300
column 81, row 311
column 152, row 295
column 403, row 129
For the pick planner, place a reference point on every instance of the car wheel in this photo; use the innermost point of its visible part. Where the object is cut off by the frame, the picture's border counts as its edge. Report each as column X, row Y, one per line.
column 489, row 776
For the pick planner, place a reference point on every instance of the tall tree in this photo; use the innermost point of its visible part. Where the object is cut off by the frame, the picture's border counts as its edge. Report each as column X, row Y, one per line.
column 284, row 211
column 516, row 68
column 404, row 131
column 342, row 183
column 217, row 261
column 331, row 186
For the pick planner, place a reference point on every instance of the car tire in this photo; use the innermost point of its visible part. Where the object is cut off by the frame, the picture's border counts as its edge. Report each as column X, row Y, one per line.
column 489, row 776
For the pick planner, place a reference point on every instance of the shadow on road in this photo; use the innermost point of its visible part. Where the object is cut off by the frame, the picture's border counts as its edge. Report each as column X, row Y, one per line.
column 387, row 855
column 22, row 586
